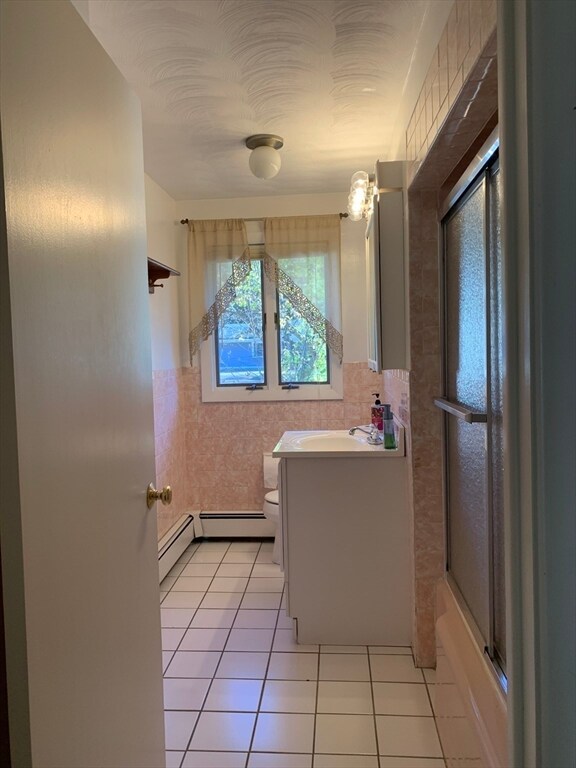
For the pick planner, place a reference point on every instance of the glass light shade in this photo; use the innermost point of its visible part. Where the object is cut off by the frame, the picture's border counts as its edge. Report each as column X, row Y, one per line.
column 265, row 162
column 359, row 179
column 360, row 197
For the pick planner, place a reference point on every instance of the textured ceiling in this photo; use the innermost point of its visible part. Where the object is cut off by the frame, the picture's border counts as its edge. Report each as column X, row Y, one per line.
column 326, row 75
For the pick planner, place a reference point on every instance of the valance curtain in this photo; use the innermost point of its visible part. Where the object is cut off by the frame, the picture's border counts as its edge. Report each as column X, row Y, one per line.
column 218, row 261
column 301, row 257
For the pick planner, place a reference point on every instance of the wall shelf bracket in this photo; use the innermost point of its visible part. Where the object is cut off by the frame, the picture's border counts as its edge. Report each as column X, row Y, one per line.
column 157, row 271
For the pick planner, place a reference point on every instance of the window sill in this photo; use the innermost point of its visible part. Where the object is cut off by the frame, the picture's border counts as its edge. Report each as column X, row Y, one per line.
column 272, row 393
column 243, row 395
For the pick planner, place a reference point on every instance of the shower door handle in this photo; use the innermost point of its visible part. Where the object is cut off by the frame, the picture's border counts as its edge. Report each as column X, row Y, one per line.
column 460, row 411
column 152, row 495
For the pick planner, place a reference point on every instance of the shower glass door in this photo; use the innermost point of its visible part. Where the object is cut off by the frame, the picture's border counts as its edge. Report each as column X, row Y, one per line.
column 472, row 405
column 466, row 385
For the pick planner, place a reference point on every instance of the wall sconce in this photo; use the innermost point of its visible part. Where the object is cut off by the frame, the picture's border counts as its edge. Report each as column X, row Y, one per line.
column 361, row 197
column 265, row 160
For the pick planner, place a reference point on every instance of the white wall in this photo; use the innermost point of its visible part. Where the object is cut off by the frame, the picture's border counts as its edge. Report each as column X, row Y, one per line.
column 352, row 249
column 429, row 35
column 162, row 229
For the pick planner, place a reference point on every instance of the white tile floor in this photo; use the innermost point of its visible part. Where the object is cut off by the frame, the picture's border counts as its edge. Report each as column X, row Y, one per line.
column 239, row 692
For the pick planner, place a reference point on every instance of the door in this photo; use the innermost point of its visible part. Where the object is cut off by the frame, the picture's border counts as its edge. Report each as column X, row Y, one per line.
column 473, row 406
column 79, row 551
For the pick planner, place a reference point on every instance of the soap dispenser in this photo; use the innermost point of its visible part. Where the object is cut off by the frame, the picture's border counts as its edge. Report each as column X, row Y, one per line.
column 377, row 412
column 388, row 427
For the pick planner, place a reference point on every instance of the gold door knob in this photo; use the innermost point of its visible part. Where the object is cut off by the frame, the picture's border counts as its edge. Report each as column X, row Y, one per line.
column 152, row 495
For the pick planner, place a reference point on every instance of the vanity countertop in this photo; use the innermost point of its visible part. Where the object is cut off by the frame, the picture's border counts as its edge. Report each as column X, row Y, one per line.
column 338, row 443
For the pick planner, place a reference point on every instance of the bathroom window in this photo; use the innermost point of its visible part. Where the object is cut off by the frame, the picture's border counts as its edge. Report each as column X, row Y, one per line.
column 303, row 357
column 264, row 348
column 239, row 339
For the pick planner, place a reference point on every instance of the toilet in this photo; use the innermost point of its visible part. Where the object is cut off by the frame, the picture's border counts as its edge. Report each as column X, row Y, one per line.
column 271, row 507
column 271, row 512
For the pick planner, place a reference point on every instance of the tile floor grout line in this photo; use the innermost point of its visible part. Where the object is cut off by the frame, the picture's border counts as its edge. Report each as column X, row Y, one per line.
column 265, row 679
column 267, row 663
column 187, row 748
column 435, row 721
column 286, row 711
column 316, row 704
column 196, row 609
column 214, row 675
column 265, row 671
column 373, row 708
column 189, row 742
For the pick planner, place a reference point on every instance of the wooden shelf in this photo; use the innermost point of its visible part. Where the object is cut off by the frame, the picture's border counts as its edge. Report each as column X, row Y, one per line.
column 158, row 271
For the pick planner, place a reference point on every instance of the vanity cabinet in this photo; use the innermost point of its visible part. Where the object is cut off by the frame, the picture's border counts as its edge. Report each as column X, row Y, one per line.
column 346, row 540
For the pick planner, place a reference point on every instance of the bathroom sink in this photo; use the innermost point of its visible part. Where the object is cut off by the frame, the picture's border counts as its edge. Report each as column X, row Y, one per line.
column 332, row 443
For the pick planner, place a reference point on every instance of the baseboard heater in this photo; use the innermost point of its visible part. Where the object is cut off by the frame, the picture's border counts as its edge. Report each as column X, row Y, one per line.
column 227, row 524
column 174, row 542
column 233, row 524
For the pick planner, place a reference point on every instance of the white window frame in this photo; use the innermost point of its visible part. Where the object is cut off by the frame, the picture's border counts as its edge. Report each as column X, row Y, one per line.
column 272, row 391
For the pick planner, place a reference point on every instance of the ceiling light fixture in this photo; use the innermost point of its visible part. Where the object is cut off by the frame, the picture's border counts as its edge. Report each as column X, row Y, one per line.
column 361, row 197
column 265, row 160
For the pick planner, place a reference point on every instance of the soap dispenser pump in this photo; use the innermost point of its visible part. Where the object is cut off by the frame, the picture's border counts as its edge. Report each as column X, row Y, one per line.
column 377, row 412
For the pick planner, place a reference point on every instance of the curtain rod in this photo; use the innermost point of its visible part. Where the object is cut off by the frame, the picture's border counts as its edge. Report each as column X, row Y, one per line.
column 185, row 221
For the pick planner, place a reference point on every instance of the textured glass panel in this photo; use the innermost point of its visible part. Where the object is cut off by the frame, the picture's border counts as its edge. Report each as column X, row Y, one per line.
column 240, row 333
column 497, row 408
column 465, row 295
column 468, row 523
column 466, row 303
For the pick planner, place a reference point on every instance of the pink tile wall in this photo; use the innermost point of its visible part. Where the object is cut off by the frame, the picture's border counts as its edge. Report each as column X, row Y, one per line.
column 425, row 421
column 457, row 102
column 469, row 29
column 397, row 393
column 412, row 395
column 170, row 439
column 225, row 441
column 211, row 453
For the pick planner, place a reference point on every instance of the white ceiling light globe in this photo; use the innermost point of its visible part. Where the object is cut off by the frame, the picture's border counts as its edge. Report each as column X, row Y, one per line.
column 265, row 162
column 359, row 180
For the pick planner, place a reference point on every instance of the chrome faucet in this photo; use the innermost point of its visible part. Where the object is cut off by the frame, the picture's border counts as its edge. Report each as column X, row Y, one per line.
column 373, row 435
column 367, row 431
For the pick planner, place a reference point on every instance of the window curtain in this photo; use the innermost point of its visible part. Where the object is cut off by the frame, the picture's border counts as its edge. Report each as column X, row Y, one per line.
column 218, row 261
column 302, row 258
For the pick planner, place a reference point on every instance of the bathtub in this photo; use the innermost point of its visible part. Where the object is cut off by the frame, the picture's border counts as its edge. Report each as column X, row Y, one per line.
column 469, row 704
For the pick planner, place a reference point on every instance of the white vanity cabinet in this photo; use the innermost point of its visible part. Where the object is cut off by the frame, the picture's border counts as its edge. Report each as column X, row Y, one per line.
column 346, row 534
